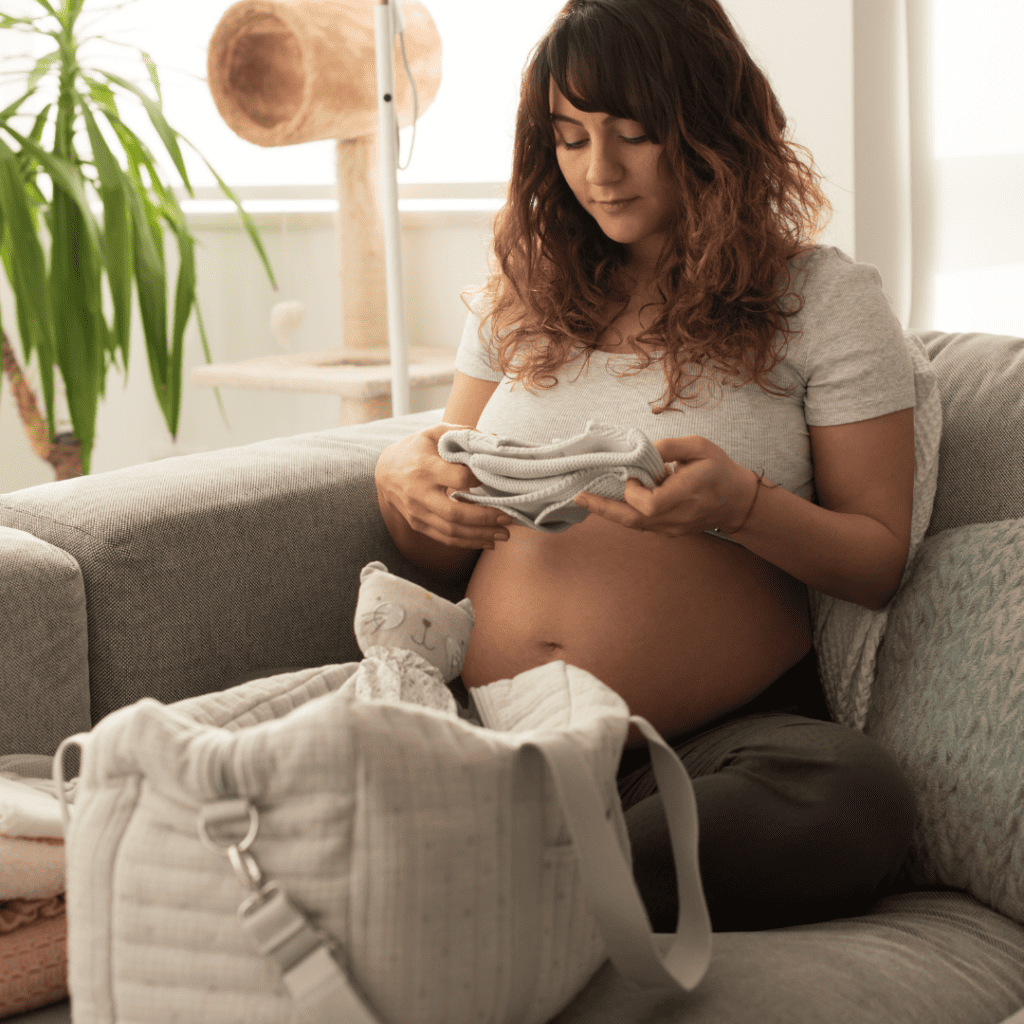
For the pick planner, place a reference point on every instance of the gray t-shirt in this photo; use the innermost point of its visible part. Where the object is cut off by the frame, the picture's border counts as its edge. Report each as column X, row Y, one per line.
column 851, row 362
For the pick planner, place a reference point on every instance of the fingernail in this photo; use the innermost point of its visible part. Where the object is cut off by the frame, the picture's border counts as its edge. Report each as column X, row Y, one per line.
column 504, row 520
column 503, row 535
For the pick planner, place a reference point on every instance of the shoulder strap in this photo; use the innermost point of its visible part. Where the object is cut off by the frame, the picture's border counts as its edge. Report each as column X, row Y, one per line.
column 606, row 875
column 316, row 982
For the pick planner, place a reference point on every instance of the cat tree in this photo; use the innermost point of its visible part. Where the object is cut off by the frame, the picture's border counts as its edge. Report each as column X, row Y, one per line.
column 284, row 72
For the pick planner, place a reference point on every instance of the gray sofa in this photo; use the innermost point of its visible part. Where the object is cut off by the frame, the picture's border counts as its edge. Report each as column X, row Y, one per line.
column 193, row 574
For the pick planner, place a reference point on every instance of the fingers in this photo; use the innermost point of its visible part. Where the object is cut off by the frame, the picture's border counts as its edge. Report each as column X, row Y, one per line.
column 458, row 477
column 485, row 533
column 421, row 483
column 457, row 523
column 614, row 511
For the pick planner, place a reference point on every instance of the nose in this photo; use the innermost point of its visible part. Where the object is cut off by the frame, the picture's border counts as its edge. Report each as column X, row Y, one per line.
column 605, row 168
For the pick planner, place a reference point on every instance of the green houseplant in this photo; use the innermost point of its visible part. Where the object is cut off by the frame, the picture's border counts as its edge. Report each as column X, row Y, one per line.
column 60, row 300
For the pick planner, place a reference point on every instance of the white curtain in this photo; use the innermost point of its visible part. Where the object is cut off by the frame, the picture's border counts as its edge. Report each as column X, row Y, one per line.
column 942, row 219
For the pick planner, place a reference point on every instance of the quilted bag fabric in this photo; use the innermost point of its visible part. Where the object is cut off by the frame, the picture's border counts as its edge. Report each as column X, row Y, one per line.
column 455, row 873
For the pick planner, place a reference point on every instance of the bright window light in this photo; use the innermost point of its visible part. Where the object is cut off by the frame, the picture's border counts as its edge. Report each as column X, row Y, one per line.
column 465, row 135
column 978, row 77
column 987, row 299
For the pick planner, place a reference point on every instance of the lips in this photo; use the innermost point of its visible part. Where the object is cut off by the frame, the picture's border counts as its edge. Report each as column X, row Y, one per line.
column 615, row 202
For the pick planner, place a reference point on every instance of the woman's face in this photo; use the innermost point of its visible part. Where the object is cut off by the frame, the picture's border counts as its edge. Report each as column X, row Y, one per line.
column 617, row 174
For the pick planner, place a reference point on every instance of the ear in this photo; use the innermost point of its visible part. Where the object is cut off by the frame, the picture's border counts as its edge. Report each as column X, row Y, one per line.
column 370, row 568
column 467, row 606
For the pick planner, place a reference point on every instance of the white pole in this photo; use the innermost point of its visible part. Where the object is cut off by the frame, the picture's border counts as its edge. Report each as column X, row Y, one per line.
column 384, row 29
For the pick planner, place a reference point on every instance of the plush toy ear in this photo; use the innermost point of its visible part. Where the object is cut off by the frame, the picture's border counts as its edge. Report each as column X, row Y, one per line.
column 467, row 606
column 370, row 568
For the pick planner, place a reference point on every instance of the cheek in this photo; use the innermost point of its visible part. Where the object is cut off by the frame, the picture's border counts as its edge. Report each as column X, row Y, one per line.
column 570, row 172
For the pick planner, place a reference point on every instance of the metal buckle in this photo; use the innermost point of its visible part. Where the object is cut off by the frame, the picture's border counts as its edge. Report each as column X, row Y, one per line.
column 246, row 869
column 226, row 810
column 257, row 899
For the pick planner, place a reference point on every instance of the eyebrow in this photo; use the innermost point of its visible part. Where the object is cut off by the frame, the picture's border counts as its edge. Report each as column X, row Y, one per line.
column 572, row 120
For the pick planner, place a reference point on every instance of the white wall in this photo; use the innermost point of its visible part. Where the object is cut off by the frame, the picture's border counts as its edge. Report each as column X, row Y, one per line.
column 804, row 45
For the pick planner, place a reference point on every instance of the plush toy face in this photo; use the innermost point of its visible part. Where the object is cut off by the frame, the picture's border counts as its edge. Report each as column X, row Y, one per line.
column 393, row 612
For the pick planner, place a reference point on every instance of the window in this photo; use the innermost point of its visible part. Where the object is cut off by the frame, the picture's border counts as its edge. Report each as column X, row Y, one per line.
column 978, row 132
column 464, row 136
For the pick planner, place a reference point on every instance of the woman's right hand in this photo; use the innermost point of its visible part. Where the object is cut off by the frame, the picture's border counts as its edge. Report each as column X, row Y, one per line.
column 416, row 482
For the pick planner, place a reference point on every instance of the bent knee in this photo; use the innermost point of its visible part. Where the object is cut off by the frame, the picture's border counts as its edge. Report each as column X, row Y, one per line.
column 854, row 802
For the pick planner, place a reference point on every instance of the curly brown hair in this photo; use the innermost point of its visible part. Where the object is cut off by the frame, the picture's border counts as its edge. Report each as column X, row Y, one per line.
column 748, row 202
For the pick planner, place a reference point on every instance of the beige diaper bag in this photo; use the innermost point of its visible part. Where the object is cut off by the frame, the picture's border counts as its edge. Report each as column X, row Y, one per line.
column 286, row 853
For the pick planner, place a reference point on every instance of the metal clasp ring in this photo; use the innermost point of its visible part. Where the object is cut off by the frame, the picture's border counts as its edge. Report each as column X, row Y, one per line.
column 226, row 810
column 246, row 869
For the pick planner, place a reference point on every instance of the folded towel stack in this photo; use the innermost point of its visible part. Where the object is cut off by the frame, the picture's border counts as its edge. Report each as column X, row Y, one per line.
column 33, row 924
column 536, row 484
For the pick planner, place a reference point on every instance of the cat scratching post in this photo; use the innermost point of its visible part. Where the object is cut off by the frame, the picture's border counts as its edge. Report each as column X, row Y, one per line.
column 284, row 72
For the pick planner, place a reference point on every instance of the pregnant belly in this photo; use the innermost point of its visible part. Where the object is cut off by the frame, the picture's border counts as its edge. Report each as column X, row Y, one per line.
column 685, row 629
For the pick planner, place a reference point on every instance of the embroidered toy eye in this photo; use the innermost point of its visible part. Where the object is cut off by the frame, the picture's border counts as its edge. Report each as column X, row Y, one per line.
column 385, row 616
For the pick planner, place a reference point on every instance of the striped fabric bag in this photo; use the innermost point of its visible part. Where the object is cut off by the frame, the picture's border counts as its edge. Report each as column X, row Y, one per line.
column 286, row 852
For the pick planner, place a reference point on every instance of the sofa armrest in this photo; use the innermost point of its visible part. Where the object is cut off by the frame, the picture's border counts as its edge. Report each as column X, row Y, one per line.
column 206, row 570
column 43, row 647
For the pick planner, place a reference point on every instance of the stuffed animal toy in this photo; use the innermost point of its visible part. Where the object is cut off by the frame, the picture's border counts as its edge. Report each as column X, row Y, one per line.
column 413, row 641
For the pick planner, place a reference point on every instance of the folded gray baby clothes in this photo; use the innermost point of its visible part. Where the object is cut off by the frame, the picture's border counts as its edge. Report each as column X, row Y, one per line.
column 536, row 483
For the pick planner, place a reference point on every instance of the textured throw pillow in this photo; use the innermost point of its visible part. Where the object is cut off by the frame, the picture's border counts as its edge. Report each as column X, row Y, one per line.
column 948, row 702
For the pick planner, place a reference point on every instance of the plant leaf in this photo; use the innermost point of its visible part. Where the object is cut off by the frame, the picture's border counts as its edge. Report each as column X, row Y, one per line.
column 29, row 164
column 250, row 227
column 117, row 234
column 80, row 344
column 6, row 21
column 102, row 95
column 154, row 75
column 10, row 111
column 184, row 299
column 148, row 254
column 42, row 67
column 68, row 178
column 209, row 359
column 27, row 274
column 167, row 134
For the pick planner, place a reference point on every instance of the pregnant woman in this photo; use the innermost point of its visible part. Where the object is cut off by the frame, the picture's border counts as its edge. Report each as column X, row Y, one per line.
column 654, row 267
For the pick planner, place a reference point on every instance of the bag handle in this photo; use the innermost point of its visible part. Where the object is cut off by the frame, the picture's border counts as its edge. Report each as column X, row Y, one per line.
column 606, row 875
column 57, row 772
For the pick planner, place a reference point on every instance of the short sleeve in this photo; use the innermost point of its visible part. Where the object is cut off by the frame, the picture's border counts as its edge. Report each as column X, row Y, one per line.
column 471, row 357
column 857, row 362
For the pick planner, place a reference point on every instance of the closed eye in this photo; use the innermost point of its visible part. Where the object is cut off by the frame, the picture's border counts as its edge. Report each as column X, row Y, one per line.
column 582, row 142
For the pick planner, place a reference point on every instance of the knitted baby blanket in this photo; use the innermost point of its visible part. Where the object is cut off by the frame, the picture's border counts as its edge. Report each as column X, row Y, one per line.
column 536, row 483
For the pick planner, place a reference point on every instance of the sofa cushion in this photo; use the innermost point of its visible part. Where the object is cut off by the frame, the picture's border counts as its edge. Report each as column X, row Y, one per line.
column 915, row 958
column 205, row 570
column 948, row 702
column 44, row 669
column 981, row 459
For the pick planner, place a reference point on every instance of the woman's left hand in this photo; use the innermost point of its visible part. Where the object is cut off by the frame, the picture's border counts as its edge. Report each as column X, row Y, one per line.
column 707, row 491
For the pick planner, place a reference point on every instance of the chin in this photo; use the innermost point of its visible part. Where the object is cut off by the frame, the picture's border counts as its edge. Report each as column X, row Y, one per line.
column 621, row 233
